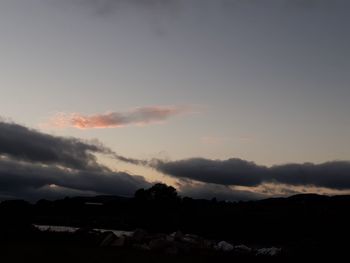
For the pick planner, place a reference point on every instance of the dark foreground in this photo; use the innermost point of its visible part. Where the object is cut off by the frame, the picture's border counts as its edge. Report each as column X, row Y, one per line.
column 40, row 253
column 62, row 247
column 303, row 227
column 70, row 247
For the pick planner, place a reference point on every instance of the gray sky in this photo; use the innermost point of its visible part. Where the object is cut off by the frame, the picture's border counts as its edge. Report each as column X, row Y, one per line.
column 266, row 81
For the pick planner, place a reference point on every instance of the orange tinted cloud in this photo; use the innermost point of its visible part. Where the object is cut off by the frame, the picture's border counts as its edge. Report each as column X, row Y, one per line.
column 138, row 116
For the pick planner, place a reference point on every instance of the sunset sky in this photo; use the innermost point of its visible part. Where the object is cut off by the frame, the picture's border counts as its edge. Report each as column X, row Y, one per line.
column 189, row 84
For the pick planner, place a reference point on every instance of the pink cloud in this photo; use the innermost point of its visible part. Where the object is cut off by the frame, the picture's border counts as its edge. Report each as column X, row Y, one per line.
column 139, row 116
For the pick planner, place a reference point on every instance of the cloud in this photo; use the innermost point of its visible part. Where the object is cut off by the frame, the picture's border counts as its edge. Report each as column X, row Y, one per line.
column 31, row 162
column 35, row 165
column 139, row 116
column 22, row 143
column 26, row 144
column 228, row 172
column 23, row 179
column 334, row 175
column 237, row 172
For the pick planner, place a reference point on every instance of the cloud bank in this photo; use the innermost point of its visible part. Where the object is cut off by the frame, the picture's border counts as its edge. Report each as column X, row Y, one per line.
column 237, row 172
column 139, row 116
column 25, row 144
column 28, row 180
column 229, row 172
column 36, row 165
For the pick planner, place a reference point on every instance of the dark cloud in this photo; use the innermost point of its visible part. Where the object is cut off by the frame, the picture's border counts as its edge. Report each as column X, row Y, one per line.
column 228, row 172
column 332, row 175
column 22, row 143
column 28, row 179
column 26, row 144
column 34, row 163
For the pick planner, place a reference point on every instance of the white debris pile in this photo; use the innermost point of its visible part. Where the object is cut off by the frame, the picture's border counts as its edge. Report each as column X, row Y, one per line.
column 224, row 246
column 242, row 249
column 272, row 251
column 56, row 228
column 74, row 229
column 172, row 244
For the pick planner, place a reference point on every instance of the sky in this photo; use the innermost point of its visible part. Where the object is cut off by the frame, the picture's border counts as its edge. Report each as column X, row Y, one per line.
column 206, row 95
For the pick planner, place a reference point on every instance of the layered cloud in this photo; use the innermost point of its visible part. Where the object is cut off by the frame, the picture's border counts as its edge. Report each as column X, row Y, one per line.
column 229, row 172
column 25, row 144
column 36, row 165
column 28, row 180
column 237, row 172
column 139, row 116
column 33, row 164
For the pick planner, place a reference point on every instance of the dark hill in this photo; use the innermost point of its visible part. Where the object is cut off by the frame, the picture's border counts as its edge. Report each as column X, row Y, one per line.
column 305, row 223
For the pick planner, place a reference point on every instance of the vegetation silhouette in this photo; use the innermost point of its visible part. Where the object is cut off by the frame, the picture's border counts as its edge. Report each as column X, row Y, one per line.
column 157, row 193
column 304, row 225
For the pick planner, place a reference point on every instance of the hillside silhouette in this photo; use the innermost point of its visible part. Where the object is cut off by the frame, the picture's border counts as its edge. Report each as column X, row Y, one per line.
column 304, row 225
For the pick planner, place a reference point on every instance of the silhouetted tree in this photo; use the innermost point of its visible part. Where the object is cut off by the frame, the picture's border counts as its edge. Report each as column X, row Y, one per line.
column 158, row 192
